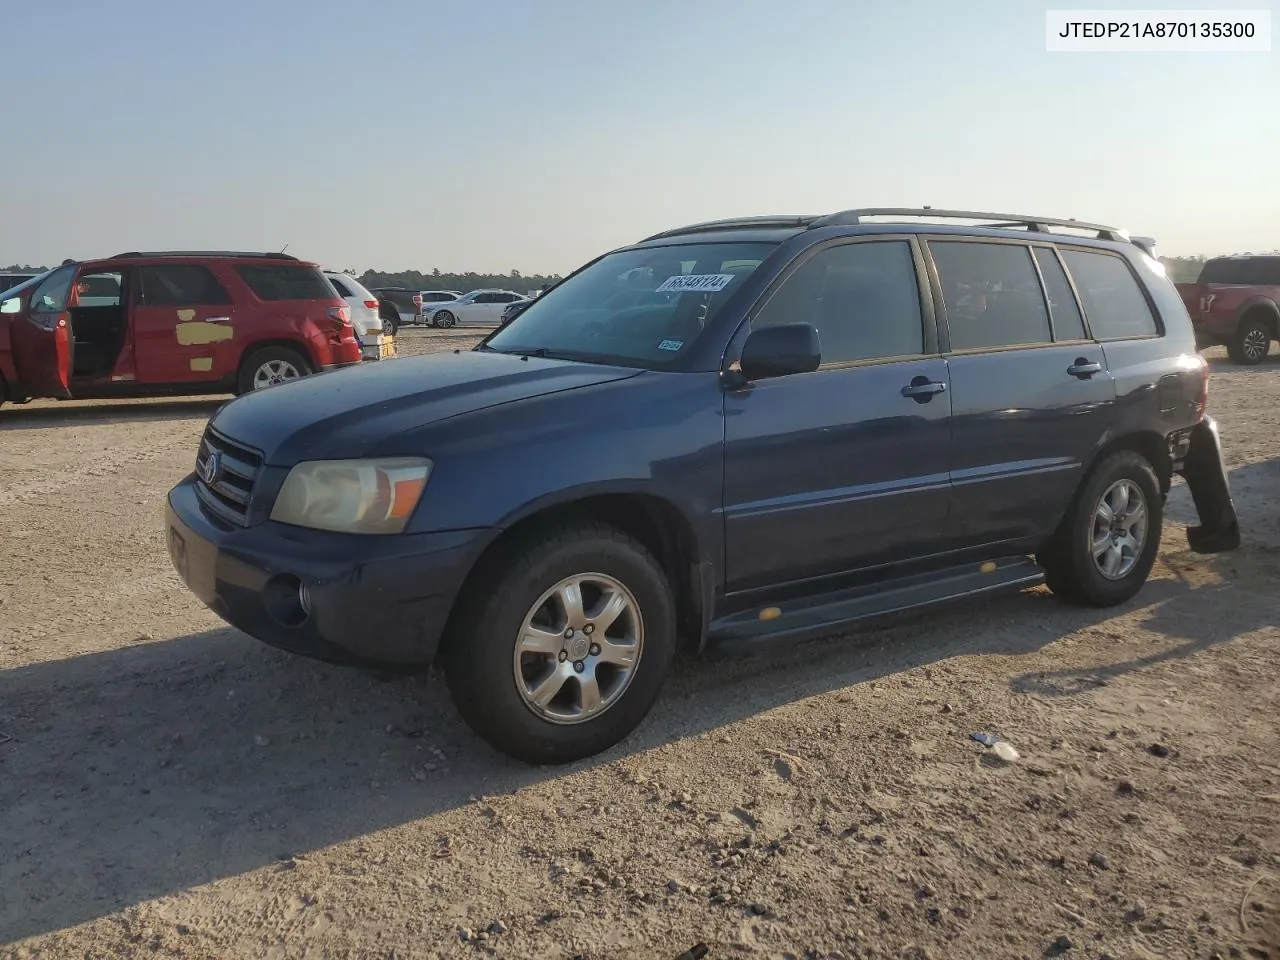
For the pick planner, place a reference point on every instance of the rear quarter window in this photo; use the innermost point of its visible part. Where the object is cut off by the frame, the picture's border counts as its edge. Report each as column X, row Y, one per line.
column 277, row 282
column 1114, row 303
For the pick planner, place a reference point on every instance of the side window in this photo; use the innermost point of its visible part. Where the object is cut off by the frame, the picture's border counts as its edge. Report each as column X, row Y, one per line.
column 992, row 294
column 863, row 298
column 1112, row 299
column 1065, row 313
column 181, row 285
column 342, row 288
column 99, row 289
column 51, row 296
column 285, row 283
column 487, row 298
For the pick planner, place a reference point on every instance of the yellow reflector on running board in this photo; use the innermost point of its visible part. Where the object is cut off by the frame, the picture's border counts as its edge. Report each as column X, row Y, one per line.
column 770, row 613
column 988, row 567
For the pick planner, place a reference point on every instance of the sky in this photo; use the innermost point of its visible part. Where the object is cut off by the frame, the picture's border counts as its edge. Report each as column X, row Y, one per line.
column 493, row 135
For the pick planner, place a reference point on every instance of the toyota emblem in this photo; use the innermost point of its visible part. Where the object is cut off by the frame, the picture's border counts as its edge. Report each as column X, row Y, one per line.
column 212, row 468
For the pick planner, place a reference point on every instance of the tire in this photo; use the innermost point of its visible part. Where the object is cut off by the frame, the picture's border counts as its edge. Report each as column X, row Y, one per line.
column 1069, row 559
column 492, row 684
column 443, row 318
column 280, row 359
column 1251, row 342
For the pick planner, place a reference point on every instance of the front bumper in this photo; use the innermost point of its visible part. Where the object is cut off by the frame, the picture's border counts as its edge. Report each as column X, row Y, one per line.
column 1206, row 476
column 382, row 599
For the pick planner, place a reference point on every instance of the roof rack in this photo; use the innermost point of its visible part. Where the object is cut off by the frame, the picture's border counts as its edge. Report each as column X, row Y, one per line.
column 736, row 223
column 203, row 253
column 851, row 218
column 855, row 217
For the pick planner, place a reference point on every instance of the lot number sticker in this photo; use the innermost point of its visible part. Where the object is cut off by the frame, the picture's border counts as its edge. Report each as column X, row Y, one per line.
column 698, row 282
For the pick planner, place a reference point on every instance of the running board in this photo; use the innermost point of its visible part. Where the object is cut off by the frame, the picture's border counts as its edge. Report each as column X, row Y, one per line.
column 827, row 613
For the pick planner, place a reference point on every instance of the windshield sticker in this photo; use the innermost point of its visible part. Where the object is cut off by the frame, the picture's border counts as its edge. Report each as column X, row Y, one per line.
column 698, row 282
column 670, row 344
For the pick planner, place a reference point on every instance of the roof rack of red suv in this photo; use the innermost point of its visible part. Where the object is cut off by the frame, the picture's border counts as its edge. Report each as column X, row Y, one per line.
column 202, row 253
column 855, row 217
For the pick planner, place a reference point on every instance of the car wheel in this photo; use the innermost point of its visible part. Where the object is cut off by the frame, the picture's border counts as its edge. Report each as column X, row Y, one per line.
column 443, row 318
column 560, row 651
column 271, row 366
column 1251, row 343
column 1106, row 545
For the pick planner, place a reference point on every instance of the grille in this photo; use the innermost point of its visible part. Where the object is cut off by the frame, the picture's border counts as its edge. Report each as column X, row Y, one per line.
column 227, row 496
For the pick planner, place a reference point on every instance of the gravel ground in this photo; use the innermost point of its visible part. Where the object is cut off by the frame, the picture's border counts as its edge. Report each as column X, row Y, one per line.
column 171, row 788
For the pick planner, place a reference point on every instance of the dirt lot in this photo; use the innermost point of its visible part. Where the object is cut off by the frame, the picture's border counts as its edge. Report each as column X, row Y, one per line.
column 171, row 788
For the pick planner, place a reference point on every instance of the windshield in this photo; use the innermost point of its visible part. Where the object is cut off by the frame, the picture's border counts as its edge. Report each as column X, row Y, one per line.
column 635, row 307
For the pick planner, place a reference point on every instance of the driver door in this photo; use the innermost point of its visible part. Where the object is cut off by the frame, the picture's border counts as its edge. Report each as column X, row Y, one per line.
column 41, row 338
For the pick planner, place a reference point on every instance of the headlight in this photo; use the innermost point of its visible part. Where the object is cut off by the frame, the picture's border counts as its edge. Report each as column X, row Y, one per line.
column 352, row 496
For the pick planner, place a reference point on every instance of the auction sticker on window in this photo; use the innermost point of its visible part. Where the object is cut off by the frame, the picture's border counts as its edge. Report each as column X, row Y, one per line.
column 697, row 282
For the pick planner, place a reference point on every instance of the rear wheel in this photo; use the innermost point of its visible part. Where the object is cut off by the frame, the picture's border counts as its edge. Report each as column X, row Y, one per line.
column 444, row 319
column 561, row 651
column 270, row 366
column 1106, row 545
column 1251, row 342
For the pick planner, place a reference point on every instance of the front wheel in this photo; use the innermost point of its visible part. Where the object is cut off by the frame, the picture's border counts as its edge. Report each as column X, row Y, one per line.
column 1251, row 342
column 443, row 319
column 561, row 652
column 1106, row 545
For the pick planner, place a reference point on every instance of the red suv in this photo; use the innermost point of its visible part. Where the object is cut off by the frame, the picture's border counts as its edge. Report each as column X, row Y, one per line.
column 160, row 324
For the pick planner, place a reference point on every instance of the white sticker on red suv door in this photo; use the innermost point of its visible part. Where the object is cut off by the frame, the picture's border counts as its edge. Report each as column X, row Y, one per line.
column 697, row 282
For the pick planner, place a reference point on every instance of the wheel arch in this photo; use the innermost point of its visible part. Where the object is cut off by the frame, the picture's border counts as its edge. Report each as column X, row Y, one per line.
column 1264, row 307
column 653, row 520
column 1153, row 447
column 298, row 346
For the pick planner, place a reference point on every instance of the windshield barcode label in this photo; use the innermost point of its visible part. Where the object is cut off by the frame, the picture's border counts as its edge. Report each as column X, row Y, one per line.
column 699, row 282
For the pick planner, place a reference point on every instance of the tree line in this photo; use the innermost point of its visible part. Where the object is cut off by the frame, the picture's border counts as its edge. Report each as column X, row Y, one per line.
column 514, row 281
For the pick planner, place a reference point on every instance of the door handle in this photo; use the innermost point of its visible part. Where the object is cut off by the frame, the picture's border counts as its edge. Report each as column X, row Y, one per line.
column 217, row 320
column 922, row 389
column 1084, row 369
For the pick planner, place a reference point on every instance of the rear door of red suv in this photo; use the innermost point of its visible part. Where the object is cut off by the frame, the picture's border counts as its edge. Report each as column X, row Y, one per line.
column 184, row 324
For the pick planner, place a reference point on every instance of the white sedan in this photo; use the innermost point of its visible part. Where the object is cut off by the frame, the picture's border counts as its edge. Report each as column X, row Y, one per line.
column 479, row 308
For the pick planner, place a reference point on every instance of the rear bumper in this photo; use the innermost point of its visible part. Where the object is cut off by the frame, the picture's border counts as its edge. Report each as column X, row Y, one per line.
column 369, row 599
column 1206, row 476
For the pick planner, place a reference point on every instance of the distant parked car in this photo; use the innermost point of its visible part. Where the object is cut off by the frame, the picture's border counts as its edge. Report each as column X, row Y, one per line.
column 10, row 280
column 409, row 302
column 1236, row 302
column 482, row 307
column 165, row 324
column 364, row 313
column 513, row 310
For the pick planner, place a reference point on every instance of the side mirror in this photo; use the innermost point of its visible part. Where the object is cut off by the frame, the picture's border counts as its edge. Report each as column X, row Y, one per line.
column 781, row 350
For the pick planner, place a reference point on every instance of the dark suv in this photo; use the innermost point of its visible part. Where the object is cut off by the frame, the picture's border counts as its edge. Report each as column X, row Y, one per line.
column 731, row 432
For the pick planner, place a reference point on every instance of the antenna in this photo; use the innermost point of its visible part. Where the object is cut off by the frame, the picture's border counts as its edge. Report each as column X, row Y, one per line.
column 284, row 248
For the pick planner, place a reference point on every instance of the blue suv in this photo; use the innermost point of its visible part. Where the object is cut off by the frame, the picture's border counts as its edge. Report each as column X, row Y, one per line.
column 732, row 432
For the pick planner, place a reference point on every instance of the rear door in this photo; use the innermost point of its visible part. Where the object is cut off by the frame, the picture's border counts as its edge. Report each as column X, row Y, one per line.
column 41, row 338
column 845, row 467
column 183, row 325
column 1031, row 393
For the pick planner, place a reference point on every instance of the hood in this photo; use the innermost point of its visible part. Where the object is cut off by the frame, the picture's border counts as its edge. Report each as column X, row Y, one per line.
column 346, row 413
